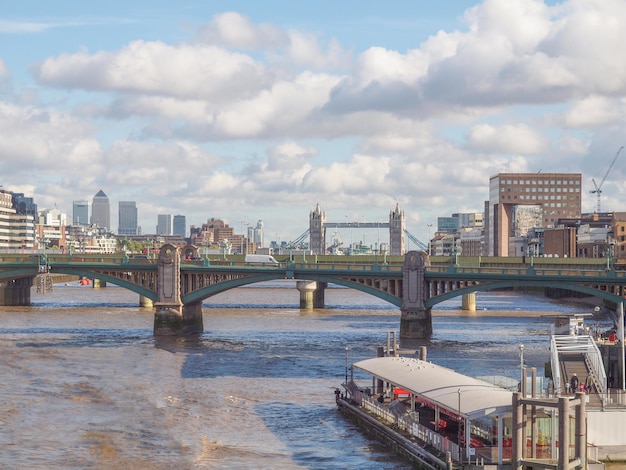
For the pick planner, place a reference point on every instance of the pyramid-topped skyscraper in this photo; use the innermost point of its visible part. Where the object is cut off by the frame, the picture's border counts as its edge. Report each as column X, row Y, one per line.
column 101, row 211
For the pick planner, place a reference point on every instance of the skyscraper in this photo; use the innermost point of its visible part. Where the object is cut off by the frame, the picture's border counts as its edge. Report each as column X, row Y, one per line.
column 255, row 235
column 80, row 213
column 127, row 218
column 180, row 225
column 164, row 224
column 101, row 211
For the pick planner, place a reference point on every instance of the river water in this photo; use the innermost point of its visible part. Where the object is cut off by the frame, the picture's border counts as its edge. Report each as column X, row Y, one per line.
column 84, row 384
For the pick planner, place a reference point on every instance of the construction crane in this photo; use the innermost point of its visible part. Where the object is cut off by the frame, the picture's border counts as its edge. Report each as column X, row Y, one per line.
column 598, row 187
column 420, row 245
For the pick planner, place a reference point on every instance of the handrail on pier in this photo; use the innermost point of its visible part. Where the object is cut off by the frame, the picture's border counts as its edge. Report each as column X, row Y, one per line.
column 585, row 345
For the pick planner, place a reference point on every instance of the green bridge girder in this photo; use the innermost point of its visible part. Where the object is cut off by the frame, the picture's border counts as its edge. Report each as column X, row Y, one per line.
column 359, row 277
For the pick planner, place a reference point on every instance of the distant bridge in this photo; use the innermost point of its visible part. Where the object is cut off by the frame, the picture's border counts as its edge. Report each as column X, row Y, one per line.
column 177, row 285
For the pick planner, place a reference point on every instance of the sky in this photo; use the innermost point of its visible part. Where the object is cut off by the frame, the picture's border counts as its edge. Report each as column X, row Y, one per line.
column 248, row 110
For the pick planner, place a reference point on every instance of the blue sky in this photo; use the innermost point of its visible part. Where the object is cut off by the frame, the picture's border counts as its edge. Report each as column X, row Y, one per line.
column 247, row 110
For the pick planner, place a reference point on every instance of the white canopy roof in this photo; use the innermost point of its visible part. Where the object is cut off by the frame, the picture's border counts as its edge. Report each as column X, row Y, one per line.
column 441, row 385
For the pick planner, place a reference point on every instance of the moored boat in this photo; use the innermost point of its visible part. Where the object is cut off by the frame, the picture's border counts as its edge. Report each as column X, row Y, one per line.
column 441, row 419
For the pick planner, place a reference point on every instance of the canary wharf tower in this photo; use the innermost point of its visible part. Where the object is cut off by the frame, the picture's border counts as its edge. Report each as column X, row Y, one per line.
column 101, row 210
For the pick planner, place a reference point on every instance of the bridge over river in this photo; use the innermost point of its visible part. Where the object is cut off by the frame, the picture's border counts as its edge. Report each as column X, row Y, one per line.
column 177, row 281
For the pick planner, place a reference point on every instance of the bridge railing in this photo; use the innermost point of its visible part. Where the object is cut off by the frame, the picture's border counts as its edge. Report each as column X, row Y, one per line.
column 316, row 266
column 529, row 270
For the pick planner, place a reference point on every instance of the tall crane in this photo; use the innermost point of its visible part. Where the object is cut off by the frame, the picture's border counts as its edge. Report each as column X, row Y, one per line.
column 598, row 188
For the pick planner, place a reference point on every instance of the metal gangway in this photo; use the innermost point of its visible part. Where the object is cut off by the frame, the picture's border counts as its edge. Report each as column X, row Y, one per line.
column 571, row 345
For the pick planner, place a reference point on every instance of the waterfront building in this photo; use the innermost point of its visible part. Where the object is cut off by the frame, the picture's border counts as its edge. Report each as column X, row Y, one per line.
column 80, row 213
column 127, row 218
column 471, row 240
column 553, row 195
column 89, row 239
column 445, row 244
column 50, row 228
column 217, row 232
column 618, row 241
column 17, row 230
column 164, row 224
column 101, row 211
column 180, row 226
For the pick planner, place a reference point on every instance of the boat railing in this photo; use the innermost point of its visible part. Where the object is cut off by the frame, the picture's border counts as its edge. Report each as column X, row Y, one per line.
column 409, row 422
column 585, row 345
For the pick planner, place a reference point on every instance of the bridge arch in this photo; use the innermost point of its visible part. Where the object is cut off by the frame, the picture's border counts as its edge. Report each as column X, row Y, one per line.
column 110, row 279
column 206, row 292
column 431, row 302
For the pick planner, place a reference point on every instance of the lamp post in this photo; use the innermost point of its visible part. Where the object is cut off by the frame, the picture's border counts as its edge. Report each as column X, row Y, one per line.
column 346, row 367
column 241, row 222
column 521, row 365
column 429, row 227
column 620, row 337
column 459, row 433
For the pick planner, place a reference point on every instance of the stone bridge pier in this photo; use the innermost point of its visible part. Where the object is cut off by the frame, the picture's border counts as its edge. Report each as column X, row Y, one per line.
column 171, row 316
column 416, row 321
column 311, row 294
column 16, row 292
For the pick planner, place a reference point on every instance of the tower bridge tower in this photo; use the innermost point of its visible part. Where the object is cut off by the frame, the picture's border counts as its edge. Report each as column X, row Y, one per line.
column 397, row 224
column 317, row 231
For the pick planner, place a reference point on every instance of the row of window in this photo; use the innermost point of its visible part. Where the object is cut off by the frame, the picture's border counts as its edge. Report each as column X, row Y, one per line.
column 540, row 190
column 540, row 182
column 539, row 198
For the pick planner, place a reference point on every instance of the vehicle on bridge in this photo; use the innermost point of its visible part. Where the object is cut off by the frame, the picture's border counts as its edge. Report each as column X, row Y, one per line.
column 261, row 259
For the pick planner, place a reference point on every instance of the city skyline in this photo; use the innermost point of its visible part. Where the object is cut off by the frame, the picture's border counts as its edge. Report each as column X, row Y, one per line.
column 263, row 111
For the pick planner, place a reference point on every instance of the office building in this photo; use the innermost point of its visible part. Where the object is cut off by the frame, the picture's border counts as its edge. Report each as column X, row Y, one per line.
column 164, row 224
column 80, row 213
column 180, row 226
column 127, row 218
column 24, row 205
column 519, row 200
column 448, row 224
column 17, row 230
column 101, row 211
column 469, row 219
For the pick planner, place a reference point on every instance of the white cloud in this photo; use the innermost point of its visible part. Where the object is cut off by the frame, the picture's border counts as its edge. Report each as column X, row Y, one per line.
column 22, row 26
column 507, row 138
column 43, row 139
column 287, row 47
column 595, row 111
column 155, row 68
column 232, row 29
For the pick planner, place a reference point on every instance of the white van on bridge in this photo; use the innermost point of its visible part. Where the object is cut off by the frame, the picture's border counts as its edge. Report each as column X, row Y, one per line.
column 261, row 259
